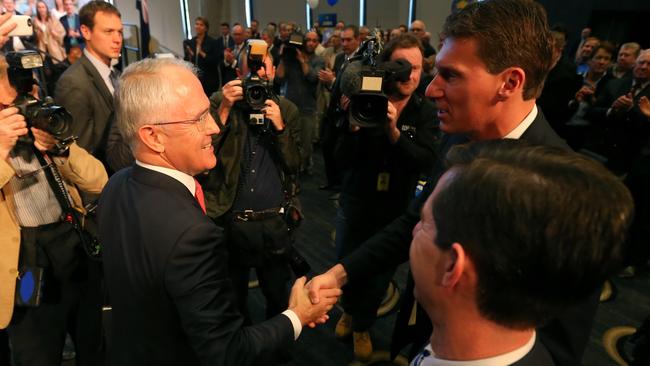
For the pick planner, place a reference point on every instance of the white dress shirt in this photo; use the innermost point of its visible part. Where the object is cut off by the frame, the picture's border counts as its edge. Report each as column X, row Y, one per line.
column 103, row 69
column 523, row 126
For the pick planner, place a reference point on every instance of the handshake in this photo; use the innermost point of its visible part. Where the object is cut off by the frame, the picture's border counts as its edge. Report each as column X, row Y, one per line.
column 311, row 301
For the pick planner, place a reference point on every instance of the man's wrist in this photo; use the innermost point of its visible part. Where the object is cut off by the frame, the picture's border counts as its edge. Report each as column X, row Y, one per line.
column 339, row 274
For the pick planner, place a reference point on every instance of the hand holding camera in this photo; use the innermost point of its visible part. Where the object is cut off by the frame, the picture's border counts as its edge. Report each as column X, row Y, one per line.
column 12, row 126
column 272, row 112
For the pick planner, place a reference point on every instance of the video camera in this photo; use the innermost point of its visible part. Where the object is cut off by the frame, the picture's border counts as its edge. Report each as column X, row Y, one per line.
column 295, row 42
column 44, row 115
column 366, row 82
column 257, row 89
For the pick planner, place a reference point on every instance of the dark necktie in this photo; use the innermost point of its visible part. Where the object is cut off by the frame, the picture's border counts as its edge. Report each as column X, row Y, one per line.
column 113, row 77
column 198, row 194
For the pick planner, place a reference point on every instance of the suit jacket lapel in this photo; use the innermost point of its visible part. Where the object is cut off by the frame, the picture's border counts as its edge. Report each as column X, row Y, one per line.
column 98, row 81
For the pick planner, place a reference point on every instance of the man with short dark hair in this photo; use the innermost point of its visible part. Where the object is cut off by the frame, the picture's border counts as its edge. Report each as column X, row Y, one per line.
column 297, row 75
column 381, row 165
column 626, row 129
column 495, row 258
column 86, row 88
column 490, row 74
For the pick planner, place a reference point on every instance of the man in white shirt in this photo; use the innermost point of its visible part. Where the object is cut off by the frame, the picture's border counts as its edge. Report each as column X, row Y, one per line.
column 506, row 242
column 86, row 88
column 165, row 260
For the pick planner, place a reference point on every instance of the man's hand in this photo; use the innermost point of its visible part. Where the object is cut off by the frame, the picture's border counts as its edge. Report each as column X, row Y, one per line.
column 624, row 102
column 228, row 56
column 5, row 27
column 189, row 51
column 391, row 125
column 584, row 93
column 12, row 125
column 644, row 106
column 308, row 313
column 43, row 140
column 232, row 92
column 272, row 112
column 334, row 278
column 326, row 76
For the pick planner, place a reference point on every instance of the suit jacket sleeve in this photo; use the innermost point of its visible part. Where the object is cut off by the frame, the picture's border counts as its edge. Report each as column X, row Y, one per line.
column 386, row 249
column 289, row 139
column 83, row 170
column 196, row 279
column 74, row 97
column 118, row 153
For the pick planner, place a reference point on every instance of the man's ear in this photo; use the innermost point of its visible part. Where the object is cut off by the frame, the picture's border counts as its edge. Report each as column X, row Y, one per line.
column 455, row 264
column 513, row 80
column 85, row 32
column 152, row 138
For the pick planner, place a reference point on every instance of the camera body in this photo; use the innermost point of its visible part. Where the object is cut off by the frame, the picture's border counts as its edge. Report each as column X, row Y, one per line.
column 367, row 83
column 295, row 42
column 44, row 115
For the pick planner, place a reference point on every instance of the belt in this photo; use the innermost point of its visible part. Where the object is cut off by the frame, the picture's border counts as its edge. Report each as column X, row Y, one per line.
column 250, row 215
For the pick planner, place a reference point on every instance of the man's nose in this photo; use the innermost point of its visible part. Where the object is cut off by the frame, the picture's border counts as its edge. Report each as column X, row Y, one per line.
column 432, row 90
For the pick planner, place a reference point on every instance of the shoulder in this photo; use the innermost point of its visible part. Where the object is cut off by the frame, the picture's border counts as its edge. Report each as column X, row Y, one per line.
column 540, row 132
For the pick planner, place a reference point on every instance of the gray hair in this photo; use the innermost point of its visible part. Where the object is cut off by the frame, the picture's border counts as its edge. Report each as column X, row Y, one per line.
column 144, row 94
column 632, row 45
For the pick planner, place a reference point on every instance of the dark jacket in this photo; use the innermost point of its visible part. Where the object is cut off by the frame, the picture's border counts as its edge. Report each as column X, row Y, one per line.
column 565, row 337
column 166, row 269
column 220, row 185
column 208, row 70
column 67, row 39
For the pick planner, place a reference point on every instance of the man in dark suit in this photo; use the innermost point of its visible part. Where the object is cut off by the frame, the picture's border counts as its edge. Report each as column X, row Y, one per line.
column 72, row 27
column 203, row 51
column 86, row 88
column 165, row 260
column 483, row 91
column 488, row 270
column 350, row 44
column 233, row 56
column 624, row 129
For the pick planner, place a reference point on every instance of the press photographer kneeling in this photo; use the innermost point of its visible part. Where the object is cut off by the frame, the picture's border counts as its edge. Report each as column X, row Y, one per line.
column 42, row 261
column 251, row 190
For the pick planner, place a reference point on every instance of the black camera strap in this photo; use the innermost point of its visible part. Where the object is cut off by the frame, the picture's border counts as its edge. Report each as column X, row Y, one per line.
column 70, row 215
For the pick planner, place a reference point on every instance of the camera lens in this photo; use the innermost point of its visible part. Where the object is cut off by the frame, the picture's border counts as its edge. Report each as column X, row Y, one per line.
column 53, row 119
column 256, row 95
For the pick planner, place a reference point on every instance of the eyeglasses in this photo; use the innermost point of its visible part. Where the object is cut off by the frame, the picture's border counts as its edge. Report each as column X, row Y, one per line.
column 199, row 122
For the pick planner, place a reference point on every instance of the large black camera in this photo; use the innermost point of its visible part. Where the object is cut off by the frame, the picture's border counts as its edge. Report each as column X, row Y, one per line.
column 366, row 82
column 295, row 42
column 44, row 115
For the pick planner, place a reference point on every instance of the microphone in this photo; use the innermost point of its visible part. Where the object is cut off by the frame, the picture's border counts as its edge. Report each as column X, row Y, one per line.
column 351, row 78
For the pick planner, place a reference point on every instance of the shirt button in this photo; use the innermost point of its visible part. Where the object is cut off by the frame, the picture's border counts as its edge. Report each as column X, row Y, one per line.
column 252, row 190
column 253, row 171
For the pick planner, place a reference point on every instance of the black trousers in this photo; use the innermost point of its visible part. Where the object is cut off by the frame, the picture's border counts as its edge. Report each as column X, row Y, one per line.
column 72, row 299
column 262, row 245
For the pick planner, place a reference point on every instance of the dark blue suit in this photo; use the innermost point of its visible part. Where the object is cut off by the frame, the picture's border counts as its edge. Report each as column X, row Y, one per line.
column 166, row 271
column 67, row 39
column 565, row 337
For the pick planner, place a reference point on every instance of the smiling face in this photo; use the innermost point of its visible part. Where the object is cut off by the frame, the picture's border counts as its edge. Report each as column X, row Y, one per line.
column 464, row 91
column 188, row 147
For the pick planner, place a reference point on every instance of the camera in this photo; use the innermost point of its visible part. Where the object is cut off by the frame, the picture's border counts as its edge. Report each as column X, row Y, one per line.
column 367, row 83
column 294, row 42
column 44, row 115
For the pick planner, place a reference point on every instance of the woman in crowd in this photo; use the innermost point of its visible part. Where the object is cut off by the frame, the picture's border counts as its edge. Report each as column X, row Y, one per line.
column 49, row 33
column 58, row 10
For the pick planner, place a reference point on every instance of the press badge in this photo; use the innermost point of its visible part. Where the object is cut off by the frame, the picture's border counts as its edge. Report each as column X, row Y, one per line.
column 383, row 181
column 420, row 187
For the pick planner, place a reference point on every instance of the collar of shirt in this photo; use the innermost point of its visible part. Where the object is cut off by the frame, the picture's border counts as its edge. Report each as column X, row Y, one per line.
column 501, row 360
column 523, row 126
column 642, row 86
column 186, row 179
column 103, row 69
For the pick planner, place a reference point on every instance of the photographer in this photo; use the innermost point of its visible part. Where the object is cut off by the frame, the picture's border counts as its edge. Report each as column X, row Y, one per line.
column 249, row 192
column 381, row 166
column 39, row 240
column 298, row 77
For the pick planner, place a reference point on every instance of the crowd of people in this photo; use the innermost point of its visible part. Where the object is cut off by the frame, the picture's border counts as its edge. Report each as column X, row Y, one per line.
column 186, row 174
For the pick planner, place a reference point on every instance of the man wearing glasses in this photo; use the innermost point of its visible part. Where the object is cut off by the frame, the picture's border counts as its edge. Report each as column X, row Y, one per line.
column 166, row 261
column 38, row 241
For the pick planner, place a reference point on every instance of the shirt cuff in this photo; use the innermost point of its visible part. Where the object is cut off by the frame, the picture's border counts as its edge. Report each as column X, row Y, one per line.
column 295, row 321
